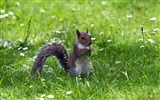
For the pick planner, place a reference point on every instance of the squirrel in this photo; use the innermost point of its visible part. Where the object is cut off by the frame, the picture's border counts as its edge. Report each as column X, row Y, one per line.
column 76, row 63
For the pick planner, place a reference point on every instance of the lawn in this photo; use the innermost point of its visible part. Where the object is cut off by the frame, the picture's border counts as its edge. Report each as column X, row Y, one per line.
column 126, row 56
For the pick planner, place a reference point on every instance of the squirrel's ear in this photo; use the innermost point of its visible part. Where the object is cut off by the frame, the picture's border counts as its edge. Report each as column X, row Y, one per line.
column 78, row 33
column 87, row 30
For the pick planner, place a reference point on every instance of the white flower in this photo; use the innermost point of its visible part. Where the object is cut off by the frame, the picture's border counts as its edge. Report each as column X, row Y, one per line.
column 14, row 17
column 109, row 41
column 111, row 25
column 1, row 16
column 142, row 46
column 151, row 41
column 43, row 95
column 93, row 39
column 69, row 92
column 74, row 9
column 31, row 59
column 50, row 96
column 129, row 16
column 10, row 47
column 5, row 44
column 43, row 81
column 22, row 54
column 144, row 31
column 153, row 18
column 25, row 48
column 92, row 25
column 140, row 39
column 22, row 24
column 10, row 13
column 17, row 3
column 122, row 33
column 118, row 62
column 1, row 40
column 2, row 11
column 57, row 31
column 156, row 29
column 53, row 16
column 62, row 41
column 103, row 3
column 41, row 98
column 5, row 15
column 101, row 33
column 25, row 66
column 153, row 33
column 42, row 10
column 34, row 57
column 19, row 48
column 30, row 86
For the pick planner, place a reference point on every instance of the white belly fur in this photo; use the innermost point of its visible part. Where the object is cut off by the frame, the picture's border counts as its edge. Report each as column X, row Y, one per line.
column 81, row 46
column 83, row 66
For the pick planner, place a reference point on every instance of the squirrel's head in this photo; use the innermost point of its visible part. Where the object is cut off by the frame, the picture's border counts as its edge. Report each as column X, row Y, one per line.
column 84, row 37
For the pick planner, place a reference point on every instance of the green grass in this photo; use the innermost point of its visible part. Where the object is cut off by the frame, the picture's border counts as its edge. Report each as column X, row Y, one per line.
column 126, row 60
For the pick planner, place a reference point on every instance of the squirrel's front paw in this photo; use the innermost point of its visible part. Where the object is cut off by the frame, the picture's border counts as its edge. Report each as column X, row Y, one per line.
column 89, row 48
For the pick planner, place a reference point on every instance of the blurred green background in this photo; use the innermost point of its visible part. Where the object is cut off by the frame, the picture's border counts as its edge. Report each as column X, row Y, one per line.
column 126, row 56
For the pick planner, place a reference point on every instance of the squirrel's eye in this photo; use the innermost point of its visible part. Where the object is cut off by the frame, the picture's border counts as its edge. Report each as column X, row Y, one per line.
column 82, row 38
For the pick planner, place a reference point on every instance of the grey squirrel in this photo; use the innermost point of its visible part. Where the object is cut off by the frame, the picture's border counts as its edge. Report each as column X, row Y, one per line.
column 77, row 63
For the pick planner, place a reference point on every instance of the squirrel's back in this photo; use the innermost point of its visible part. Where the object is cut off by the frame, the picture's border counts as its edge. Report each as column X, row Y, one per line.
column 56, row 50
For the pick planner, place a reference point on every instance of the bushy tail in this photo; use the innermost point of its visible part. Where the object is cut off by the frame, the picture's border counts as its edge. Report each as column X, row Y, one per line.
column 56, row 50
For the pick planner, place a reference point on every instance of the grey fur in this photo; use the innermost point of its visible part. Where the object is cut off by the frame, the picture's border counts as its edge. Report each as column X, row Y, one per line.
column 56, row 50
